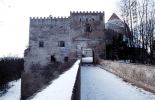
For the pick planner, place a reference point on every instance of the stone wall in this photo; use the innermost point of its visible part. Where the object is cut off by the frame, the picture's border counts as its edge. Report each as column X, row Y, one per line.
column 140, row 75
column 48, row 32
column 51, row 30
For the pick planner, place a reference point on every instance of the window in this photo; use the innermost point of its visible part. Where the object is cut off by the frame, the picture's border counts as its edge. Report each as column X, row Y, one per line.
column 88, row 28
column 61, row 43
column 93, row 19
column 101, row 18
column 65, row 59
column 86, row 19
column 41, row 44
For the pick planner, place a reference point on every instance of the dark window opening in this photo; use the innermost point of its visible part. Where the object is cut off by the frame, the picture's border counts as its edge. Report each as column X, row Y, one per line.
column 88, row 28
column 65, row 59
column 80, row 19
column 101, row 18
column 53, row 59
column 41, row 44
column 61, row 43
column 86, row 19
column 93, row 19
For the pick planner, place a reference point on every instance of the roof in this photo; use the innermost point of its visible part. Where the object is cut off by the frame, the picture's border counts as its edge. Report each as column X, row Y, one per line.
column 114, row 16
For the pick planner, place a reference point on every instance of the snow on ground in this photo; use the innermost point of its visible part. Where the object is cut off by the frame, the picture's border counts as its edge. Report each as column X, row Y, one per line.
column 13, row 92
column 87, row 59
column 98, row 84
column 61, row 88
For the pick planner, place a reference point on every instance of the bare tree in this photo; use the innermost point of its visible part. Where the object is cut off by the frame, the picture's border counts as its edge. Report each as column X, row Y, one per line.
column 139, row 15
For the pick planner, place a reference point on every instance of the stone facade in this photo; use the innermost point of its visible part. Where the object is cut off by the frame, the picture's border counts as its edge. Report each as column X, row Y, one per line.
column 63, row 37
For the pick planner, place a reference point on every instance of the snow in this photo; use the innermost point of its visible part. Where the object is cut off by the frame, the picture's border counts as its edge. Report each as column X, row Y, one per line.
column 14, row 92
column 98, row 84
column 61, row 88
column 87, row 59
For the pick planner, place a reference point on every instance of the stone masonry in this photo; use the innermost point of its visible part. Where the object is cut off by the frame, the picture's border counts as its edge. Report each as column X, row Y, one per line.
column 62, row 37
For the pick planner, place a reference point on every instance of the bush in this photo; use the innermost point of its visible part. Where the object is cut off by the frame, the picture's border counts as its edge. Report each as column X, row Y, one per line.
column 10, row 69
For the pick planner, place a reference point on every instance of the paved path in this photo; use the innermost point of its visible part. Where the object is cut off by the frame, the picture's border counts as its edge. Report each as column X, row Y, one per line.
column 98, row 84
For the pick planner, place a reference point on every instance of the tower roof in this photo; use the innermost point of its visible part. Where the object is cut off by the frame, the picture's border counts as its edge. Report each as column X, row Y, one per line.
column 114, row 16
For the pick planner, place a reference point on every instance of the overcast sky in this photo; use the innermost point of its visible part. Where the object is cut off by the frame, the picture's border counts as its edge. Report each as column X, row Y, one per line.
column 14, row 18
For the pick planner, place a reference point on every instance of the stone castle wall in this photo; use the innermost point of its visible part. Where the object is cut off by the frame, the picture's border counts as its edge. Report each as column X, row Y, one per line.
column 51, row 30
column 45, row 35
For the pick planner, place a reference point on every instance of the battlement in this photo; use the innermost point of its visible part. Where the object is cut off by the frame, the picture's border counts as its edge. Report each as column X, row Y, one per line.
column 53, row 20
column 50, row 17
column 86, row 12
column 46, row 20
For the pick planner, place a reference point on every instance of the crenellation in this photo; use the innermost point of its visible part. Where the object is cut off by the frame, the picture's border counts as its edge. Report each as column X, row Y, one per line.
column 85, row 15
column 86, row 12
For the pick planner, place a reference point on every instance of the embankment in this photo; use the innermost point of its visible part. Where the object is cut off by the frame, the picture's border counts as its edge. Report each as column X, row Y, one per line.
column 138, row 74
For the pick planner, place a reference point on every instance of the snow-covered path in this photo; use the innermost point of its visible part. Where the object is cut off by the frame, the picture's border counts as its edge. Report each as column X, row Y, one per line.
column 98, row 84
column 14, row 92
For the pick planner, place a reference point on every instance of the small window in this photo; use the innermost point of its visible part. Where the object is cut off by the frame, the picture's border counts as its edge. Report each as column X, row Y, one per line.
column 86, row 19
column 80, row 19
column 65, row 59
column 88, row 28
column 101, row 18
column 41, row 44
column 61, row 43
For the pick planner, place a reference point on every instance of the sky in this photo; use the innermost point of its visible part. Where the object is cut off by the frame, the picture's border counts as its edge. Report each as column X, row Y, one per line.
column 14, row 18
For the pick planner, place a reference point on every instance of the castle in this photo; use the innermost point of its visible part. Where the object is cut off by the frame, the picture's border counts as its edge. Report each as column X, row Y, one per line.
column 62, row 38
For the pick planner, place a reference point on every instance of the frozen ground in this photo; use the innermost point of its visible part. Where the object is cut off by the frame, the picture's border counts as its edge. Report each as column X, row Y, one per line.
column 61, row 88
column 98, row 84
column 14, row 92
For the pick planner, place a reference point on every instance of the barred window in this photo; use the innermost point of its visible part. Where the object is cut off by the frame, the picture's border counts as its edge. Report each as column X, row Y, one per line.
column 61, row 43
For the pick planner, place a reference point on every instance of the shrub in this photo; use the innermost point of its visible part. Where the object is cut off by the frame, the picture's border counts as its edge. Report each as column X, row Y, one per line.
column 10, row 69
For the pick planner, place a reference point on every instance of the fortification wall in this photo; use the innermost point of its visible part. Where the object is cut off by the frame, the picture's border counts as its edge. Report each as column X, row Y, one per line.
column 49, row 31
